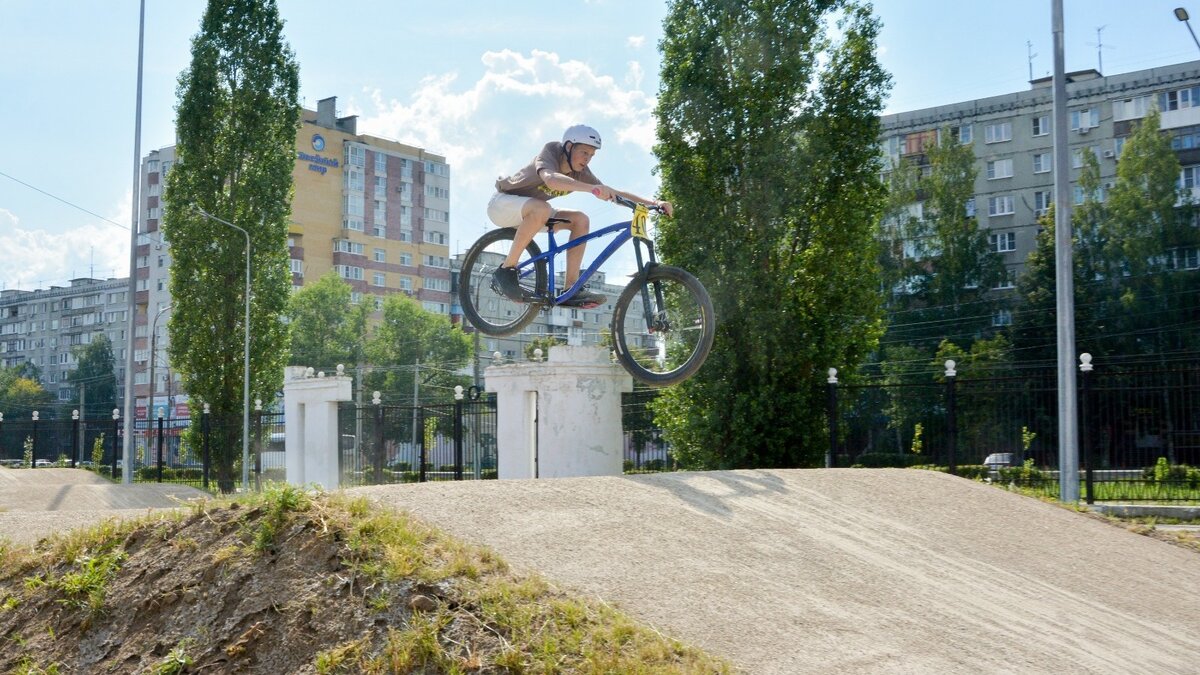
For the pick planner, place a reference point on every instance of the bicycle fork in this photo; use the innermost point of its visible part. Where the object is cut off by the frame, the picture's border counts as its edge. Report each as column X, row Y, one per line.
column 653, row 322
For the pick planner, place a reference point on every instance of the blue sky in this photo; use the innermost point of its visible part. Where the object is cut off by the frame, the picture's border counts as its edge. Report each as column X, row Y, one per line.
column 482, row 85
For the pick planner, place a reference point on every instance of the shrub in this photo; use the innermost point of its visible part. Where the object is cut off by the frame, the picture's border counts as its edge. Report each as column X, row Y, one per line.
column 881, row 460
column 1026, row 474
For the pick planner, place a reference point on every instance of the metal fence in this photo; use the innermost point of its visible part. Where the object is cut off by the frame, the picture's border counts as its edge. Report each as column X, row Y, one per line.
column 407, row 444
column 1139, row 430
column 644, row 448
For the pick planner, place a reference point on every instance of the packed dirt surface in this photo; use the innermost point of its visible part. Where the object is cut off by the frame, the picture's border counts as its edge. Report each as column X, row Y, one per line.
column 844, row 571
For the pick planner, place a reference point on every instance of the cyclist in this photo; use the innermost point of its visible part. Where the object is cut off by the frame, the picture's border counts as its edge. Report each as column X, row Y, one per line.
column 522, row 200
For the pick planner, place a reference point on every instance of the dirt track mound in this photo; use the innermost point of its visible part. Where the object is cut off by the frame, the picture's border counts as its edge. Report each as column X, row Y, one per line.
column 848, row 571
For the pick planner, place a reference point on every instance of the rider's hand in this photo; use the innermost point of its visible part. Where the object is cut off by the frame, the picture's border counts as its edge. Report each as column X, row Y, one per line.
column 603, row 192
column 667, row 208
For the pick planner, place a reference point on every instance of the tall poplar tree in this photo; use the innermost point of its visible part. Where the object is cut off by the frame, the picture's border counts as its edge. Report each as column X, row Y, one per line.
column 767, row 144
column 238, row 116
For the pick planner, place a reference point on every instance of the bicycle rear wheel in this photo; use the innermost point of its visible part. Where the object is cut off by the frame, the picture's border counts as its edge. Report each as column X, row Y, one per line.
column 485, row 308
column 663, row 326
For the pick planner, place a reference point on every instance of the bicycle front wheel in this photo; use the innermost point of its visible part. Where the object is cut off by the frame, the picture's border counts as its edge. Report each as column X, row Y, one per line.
column 485, row 308
column 663, row 326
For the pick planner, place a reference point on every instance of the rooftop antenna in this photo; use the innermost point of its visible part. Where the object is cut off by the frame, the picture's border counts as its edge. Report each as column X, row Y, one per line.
column 1099, row 45
column 1029, row 49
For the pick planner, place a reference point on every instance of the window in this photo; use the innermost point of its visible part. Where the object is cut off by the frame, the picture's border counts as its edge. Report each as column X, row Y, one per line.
column 379, row 230
column 432, row 237
column 1003, row 242
column 436, row 168
column 997, row 133
column 378, row 279
column 437, row 215
column 1000, row 206
column 1041, row 202
column 380, row 164
column 297, row 266
column 405, row 215
column 355, row 179
column 1002, row 318
column 435, row 307
column 380, row 187
column 347, row 246
column 1000, row 168
column 1041, row 125
column 1189, row 177
column 380, row 212
column 436, row 261
column 355, row 297
column 1009, row 280
column 1183, row 259
column 1179, row 99
column 406, row 259
column 1077, row 156
column 970, row 207
column 1082, row 120
column 439, row 192
column 353, row 223
column 354, row 206
column 1131, row 108
column 380, row 255
column 1041, row 162
column 962, row 133
column 356, row 155
column 406, row 284
column 349, row 272
column 1186, row 139
column 438, row 284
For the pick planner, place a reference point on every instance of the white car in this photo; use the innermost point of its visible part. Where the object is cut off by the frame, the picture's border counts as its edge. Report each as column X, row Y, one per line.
column 42, row 463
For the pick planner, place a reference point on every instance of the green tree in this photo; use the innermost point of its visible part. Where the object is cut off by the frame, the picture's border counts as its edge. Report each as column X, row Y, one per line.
column 767, row 142
column 326, row 328
column 413, row 342
column 95, row 373
column 941, row 285
column 237, row 118
column 1147, row 239
column 544, row 343
column 20, row 395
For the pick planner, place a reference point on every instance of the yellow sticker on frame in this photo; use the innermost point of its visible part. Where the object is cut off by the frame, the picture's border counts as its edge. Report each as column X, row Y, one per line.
column 637, row 227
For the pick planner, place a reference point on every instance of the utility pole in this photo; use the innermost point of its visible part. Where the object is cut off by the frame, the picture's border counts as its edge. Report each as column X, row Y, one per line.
column 1068, row 422
column 1029, row 50
column 416, row 399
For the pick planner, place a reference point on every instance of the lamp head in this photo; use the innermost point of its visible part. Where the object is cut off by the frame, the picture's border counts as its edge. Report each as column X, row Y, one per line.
column 1181, row 14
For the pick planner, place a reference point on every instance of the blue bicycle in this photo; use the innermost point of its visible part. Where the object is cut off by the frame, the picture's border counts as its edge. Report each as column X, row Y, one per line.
column 663, row 322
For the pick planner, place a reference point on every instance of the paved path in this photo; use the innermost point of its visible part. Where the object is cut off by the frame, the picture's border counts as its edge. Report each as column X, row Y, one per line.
column 37, row 502
column 845, row 571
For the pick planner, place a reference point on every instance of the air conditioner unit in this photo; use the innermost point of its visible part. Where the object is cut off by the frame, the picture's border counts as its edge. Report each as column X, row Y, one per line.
column 1109, row 154
column 1084, row 130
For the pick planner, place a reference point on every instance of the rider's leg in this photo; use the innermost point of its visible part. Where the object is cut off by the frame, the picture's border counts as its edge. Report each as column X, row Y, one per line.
column 534, row 214
column 578, row 225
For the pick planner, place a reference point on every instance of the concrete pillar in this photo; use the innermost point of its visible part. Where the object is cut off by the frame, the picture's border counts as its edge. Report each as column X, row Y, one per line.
column 561, row 418
column 311, row 433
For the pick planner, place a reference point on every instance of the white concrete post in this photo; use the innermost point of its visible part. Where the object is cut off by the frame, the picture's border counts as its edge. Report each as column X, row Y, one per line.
column 311, row 434
column 561, row 418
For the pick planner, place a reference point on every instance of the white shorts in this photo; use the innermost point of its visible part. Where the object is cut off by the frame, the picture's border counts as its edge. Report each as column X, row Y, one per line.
column 505, row 209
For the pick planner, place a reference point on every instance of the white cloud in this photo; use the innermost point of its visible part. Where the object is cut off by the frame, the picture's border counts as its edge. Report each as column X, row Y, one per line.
column 635, row 41
column 32, row 259
column 520, row 100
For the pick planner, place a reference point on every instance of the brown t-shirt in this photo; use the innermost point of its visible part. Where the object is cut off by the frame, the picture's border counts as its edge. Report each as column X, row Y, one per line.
column 528, row 182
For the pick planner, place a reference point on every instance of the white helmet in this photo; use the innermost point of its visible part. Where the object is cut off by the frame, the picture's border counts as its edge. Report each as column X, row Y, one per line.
column 581, row 133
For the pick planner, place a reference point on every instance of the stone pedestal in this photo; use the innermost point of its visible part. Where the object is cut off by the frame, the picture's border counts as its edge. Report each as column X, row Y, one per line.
column 560, row 418
column 311, row 440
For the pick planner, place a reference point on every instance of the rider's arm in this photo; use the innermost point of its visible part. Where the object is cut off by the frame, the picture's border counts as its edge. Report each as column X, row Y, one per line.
column 564, row 183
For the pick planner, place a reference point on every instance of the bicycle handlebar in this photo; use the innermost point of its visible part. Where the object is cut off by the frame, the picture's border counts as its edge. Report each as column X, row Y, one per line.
column 629, row 203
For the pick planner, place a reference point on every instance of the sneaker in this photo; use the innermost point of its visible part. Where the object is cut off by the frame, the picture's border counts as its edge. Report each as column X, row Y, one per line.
column 585, row 299
column 506, row 282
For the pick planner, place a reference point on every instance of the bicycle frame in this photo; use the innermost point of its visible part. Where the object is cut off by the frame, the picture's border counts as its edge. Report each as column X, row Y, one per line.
column 623, row 232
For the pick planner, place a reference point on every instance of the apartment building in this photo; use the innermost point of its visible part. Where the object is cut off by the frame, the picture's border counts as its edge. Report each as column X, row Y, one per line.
column 374, row 210
column 47, row 327
column 1011, row 136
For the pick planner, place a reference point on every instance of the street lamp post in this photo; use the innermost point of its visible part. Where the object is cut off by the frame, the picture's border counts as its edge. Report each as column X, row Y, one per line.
column 153, row 352
column 1182, row 15
column 245, row 357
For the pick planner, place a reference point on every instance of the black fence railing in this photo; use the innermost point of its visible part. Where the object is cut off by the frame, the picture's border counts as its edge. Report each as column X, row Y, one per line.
column 1139, row 431
column 407, row 444
column 164, row 450
column 644, row 449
